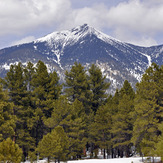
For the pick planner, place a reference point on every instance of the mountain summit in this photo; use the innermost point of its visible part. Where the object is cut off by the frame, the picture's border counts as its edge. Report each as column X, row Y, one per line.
column 74, row 35
column 119, row 61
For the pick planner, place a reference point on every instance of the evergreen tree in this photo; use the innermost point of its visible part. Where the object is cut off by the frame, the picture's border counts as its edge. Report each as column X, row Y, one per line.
column 71, row 116
column 29, row 72
column 10, row 152
column 98, row 87
column 99, row 132
column 159, row 145
column 127, row 90
column 60, row 115
column 46, row 89
column 7, row 117
column 148, row 110
column 112, row 103
column 54, row 145
column 77, row 86
column 122, row 121
column 32, row 91
column 17, row 86
column 77, row 130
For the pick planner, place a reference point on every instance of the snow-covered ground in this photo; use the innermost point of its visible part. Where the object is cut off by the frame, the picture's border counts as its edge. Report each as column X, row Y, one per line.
column 116, row 160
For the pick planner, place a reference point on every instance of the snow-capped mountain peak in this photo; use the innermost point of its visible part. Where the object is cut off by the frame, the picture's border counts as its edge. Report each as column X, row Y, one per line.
column 75, row 34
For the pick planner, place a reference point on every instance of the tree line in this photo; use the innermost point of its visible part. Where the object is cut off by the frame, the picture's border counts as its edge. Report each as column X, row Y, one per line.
column 41, row 117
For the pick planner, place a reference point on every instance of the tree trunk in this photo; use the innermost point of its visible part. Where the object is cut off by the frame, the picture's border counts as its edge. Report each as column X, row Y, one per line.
column 92, row 148
column 84, row 152
column 112, row 152
column 104, row 154
column 119, row 153
column 108, row 153
column 142, row 159
column 115, row 152
column 127, row 151
column 48, row 159
column 153, row 159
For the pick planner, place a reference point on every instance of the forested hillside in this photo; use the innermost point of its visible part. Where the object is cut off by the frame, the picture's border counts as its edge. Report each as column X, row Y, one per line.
column 41, row 117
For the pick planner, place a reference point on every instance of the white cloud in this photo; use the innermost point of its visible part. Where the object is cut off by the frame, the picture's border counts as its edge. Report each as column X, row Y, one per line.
column 138, row 16
column 19, row 16
column 23, row 40
column 134, row 38
column 91, row 15
column 136, row 21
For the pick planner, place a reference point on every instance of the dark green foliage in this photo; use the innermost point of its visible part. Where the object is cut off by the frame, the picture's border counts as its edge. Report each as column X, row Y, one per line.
column 15, row 83
column 148, row 110
column 99, row 132
column 41, row 121
column 7, row 117
column 98, row 87
column 46, row 88
column 10, row 152
column 122, row 122
column 32, row 91
column 71, row 116
column 77, row 86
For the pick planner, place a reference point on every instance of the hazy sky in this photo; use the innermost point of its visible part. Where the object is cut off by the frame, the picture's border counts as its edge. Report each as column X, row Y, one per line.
column 135, row 21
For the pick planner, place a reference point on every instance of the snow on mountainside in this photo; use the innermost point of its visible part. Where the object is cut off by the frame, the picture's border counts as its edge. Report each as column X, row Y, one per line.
column 119, row 61
column 70, row 37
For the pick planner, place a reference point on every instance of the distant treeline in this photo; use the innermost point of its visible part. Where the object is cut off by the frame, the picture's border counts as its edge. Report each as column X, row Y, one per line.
column 40, row 118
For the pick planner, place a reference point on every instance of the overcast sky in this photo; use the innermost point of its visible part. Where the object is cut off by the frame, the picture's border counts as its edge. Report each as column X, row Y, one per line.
column 135, row 21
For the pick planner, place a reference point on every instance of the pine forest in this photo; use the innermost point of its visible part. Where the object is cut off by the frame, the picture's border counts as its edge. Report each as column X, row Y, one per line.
column 40, row 117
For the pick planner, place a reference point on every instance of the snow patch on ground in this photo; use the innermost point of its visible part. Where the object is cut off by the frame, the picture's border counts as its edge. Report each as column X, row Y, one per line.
column 6, row 66
column 149, row 59
column 57, row 53
column 115, row 160
column 135, row 74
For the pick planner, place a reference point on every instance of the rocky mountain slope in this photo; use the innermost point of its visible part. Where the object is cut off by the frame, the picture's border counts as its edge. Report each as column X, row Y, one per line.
column 119, row 61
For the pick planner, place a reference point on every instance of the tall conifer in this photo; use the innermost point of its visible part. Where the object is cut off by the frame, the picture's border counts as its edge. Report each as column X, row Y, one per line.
column 7, row 117
column 77, row 86
column 148, row 110
column 122, row 120
column 98, row 87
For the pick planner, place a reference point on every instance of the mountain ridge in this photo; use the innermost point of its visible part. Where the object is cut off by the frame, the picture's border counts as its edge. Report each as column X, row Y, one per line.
column 119, row 61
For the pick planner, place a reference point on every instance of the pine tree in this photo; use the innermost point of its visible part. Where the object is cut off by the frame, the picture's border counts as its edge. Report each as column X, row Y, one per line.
column 100, row 134
column 32, row 91
column 10, row 152
column 71, row 116
column 112, row 103
column 159, row 145
column 148, row 110
column 77, row 130
column 46, row 89
column 122, row 121
column 54, row 145
column 7, row 117
column 16, row 84
column 60, row 115
column 77, row 86
column 98, row 87
column 29, row 72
